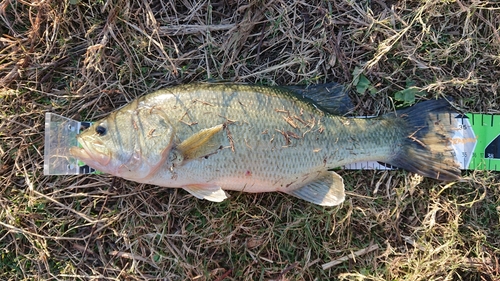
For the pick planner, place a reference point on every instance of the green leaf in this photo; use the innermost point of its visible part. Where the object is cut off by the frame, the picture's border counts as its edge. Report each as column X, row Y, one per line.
column 407, row 96
column 363, row 84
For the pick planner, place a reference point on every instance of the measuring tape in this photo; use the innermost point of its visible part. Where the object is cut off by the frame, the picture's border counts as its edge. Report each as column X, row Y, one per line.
column 486, row 152
column 476, row 145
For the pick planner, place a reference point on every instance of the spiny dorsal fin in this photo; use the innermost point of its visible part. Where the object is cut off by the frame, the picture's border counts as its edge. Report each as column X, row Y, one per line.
column 326, row 190
column 331, row 97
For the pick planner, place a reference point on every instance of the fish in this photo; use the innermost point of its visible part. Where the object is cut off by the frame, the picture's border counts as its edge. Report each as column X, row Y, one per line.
column 208, row 138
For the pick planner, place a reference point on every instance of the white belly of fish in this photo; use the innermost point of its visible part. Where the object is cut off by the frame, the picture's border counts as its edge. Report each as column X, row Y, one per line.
column 261, row 171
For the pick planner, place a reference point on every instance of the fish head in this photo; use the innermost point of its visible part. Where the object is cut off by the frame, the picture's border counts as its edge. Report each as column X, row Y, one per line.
column 131, row 143
column 98, row 147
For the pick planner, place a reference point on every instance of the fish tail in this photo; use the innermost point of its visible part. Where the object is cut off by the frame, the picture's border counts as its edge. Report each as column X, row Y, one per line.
column 426, row 147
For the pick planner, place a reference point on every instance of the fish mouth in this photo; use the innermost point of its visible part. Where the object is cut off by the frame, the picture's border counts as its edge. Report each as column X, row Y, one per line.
column 92, row 153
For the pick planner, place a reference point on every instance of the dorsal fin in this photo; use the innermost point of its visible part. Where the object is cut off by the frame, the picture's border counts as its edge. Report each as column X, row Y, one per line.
column 331, row 97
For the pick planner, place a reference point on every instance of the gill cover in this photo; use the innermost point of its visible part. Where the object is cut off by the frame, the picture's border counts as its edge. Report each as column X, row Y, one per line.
column 152, row 138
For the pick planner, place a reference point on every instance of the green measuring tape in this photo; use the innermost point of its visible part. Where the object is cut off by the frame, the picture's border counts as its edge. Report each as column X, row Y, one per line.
column 486, row 152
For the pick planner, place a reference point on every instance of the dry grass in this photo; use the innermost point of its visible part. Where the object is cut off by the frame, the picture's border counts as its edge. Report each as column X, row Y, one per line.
column 83, row 60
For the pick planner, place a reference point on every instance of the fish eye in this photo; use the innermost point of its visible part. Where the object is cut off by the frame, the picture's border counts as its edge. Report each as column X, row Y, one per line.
column 100, row 130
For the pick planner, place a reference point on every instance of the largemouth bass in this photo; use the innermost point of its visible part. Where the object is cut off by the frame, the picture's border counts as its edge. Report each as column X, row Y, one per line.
column 207, row 138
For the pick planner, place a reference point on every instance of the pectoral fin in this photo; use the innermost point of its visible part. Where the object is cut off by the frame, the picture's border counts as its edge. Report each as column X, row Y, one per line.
column 203, row 143
column 326, row 190
column 210, row 193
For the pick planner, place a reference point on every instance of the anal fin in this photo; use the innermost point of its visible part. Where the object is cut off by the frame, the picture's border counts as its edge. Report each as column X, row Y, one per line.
column 326, row 190
column 210, row 193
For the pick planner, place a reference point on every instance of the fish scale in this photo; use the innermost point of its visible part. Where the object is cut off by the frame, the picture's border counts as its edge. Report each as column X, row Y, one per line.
column 253, row 114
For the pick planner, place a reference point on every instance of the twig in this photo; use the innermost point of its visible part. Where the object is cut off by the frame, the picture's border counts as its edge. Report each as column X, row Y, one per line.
column 361, row 252
column 82, row 215
column 226, row 274
column 29, row 233
column 185, row 29
column 288, row 268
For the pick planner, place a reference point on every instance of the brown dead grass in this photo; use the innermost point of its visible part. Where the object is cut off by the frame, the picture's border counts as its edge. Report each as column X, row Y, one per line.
column 84, row 60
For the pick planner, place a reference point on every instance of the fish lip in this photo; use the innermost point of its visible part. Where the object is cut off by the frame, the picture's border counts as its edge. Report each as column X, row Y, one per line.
column 88, row 155
column 79, row 153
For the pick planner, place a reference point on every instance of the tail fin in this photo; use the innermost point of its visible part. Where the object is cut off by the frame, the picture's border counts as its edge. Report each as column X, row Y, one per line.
column 427, row 148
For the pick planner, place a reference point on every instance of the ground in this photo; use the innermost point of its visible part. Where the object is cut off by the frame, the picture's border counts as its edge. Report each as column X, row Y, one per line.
column 82, row 59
